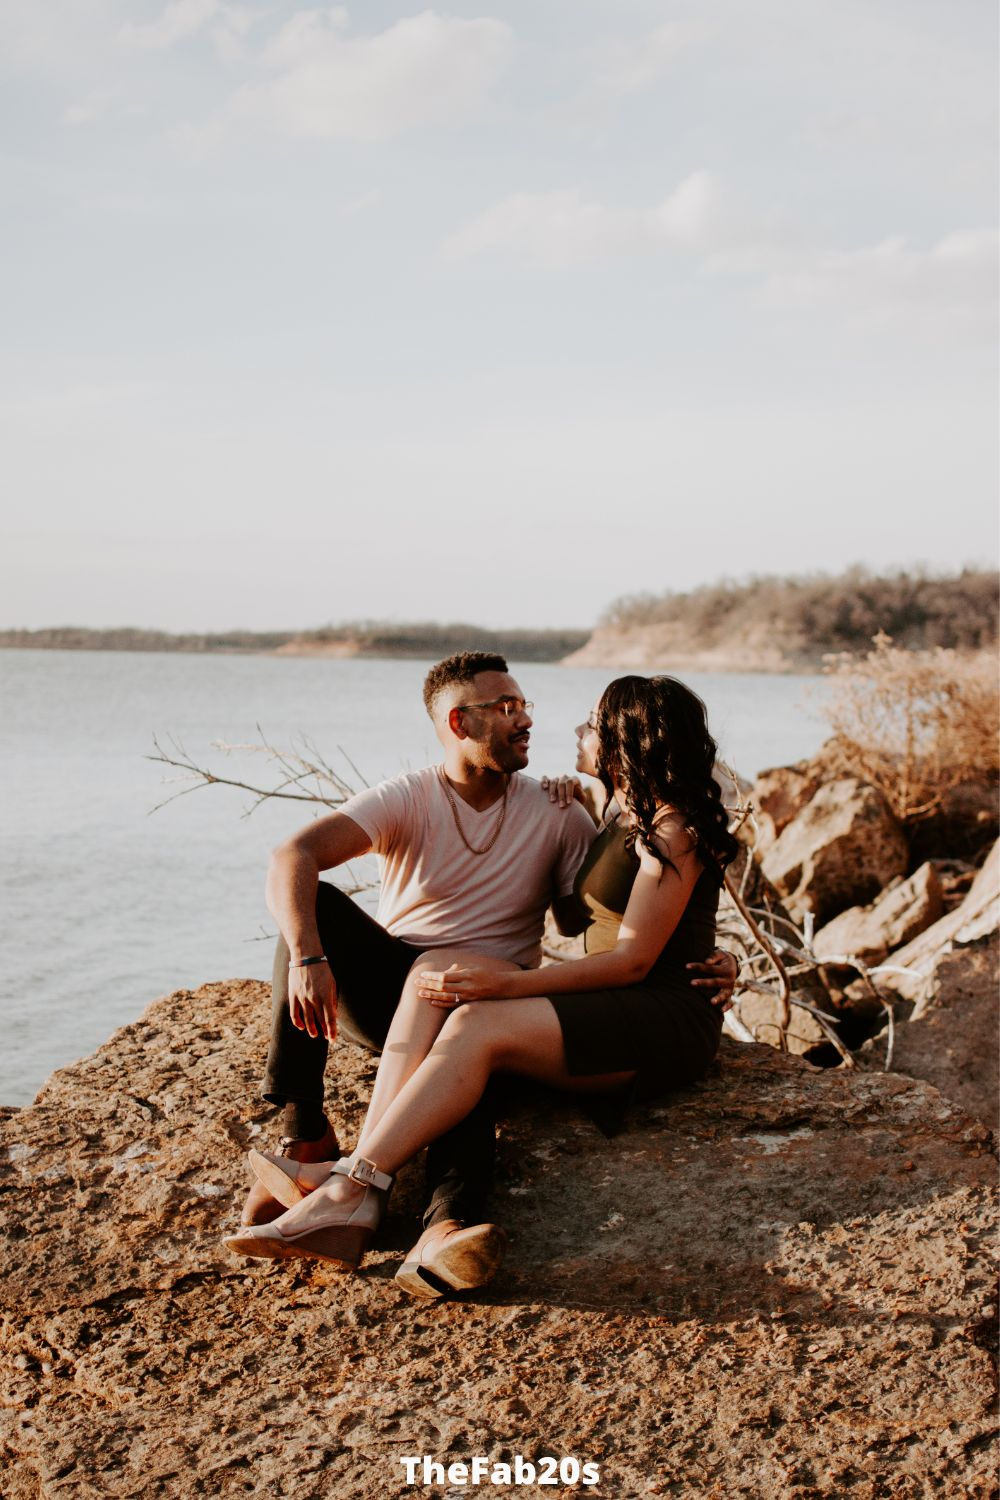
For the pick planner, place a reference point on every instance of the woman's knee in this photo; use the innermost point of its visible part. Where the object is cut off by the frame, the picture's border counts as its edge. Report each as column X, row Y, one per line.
column 434, row 958
column 437, row 958
column 474, row 1025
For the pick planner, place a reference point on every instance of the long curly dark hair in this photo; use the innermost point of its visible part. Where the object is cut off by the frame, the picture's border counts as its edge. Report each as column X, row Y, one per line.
column 654, row 742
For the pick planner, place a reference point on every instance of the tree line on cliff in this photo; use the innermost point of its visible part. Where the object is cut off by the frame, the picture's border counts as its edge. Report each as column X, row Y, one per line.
column 818, row 613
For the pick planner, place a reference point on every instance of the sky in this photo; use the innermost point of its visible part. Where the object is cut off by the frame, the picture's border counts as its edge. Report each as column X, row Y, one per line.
column 496, row 312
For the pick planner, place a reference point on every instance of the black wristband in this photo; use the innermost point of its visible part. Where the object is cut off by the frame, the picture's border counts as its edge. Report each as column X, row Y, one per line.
column 304, row 963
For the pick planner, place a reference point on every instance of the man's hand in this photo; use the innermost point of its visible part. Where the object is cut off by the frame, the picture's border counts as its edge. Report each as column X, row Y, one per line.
column 312, row 1000
column 563, row 789
column 719, row 973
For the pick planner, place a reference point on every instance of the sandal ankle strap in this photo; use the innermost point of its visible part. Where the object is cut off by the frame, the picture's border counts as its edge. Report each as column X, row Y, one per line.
column 360, row 1169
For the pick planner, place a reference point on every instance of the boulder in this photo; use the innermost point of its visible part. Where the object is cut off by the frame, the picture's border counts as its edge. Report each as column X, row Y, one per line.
column 779, row 795
column 774, row 1283
column 976, row 917
column 840, row 850
column 899, row 914
column 761, row 1015
column 964, row 826
column 950, row 1038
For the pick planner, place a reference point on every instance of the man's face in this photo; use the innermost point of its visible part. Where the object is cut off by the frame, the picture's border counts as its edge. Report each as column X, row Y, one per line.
column 501, row 740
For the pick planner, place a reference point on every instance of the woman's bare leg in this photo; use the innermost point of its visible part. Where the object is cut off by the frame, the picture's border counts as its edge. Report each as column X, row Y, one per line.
column 487, row 1036
column 413, row 1032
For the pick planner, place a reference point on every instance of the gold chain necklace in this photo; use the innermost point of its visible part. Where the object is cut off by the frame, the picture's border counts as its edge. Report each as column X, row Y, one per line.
column 461, row 832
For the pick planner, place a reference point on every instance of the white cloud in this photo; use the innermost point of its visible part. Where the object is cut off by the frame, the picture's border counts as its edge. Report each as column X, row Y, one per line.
column 84, row 111
column 181, row 19
column 952, row 286
column 627, row 67
column 565, row 228
column 59, row 37
column 954, row 280
column 693, row 216
column 422, row 70
column 229, row 34
column 361, row 204
column 555, row 229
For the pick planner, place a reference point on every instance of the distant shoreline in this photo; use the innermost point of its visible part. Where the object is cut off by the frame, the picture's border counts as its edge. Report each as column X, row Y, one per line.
column 376, row 642
column 624, row 652
column 709, row 662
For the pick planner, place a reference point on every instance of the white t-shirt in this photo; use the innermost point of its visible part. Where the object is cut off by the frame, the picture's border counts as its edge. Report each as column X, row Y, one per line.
column 436, row 893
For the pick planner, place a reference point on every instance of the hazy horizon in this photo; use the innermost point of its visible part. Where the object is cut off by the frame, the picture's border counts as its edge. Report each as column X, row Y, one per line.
column 444, row 623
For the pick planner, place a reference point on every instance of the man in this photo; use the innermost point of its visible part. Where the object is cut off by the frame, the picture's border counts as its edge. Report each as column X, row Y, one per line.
column 472, row 854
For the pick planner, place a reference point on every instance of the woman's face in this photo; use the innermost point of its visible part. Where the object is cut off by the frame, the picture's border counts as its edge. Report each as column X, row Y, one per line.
column 586, row 744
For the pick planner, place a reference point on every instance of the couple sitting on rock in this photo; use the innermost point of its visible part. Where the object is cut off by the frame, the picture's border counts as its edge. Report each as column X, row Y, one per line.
column 446, row 982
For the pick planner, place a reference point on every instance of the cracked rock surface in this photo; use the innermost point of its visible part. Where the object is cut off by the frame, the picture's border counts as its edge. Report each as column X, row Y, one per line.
column 776, row 1284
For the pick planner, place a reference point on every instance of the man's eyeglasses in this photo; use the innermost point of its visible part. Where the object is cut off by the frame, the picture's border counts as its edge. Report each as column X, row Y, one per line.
column 506, row 706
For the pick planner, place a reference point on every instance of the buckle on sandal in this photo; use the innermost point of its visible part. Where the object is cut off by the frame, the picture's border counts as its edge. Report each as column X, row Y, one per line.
column 368, row 1174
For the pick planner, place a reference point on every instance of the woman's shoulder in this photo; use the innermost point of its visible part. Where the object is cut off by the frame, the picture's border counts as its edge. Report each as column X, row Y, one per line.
column 671, row 836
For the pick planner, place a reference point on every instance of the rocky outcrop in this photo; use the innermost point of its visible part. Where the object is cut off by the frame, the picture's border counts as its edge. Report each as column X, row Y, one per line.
column 964, row 826
column 780, row 794
column 976, row 917
column 950, row 1038
column 773, row 1284
column 841, row 849
column 668, row 647
column 762, row 1015
column 871, row 932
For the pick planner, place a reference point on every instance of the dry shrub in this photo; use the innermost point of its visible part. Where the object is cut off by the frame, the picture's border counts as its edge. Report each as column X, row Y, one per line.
column 915, row 724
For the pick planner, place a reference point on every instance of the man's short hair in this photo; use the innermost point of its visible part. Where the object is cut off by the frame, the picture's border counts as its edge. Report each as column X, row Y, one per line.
column 461, row 668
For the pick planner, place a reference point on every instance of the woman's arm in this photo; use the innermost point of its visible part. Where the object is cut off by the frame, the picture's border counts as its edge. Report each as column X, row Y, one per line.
column 659, row 895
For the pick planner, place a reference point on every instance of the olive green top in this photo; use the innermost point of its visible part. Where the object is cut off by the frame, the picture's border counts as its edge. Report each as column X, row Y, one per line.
column 604, row 884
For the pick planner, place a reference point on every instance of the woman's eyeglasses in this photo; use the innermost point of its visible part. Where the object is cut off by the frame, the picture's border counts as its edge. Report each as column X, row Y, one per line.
column 506, row 706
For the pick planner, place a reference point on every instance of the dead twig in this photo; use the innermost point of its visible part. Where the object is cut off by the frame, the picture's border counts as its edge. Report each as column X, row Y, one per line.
column 784, row 987
column 826, row 1023
column 328, row 788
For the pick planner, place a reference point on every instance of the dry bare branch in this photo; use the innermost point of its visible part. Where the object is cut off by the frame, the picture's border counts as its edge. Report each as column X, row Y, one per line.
column 784, row 987
column 304, row 779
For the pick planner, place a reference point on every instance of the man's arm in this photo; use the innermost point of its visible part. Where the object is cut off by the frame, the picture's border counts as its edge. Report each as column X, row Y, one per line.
column 720, row 973
column 570, row 917
column 292, row 880
column 576, row 834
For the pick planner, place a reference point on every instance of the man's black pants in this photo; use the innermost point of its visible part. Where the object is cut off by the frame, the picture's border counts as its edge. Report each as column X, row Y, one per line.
column 370, row 968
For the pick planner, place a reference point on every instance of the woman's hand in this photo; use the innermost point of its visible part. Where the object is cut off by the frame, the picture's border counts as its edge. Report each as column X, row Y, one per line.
column 446, row 988
column 563, row 789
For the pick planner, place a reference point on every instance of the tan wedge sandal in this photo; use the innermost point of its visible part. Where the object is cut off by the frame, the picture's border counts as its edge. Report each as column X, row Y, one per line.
column 283, row 1177
column 342, row 1238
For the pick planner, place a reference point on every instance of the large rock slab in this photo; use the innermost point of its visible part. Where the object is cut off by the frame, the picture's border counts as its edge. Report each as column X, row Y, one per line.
column 977, row 916
column 871, row 932
column 774, row 1284
column 780, row 794
column 841, row 850
column 964, row 826
column 951, row 1037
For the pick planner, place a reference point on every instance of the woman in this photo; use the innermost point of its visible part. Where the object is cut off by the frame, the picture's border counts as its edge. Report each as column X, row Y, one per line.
column 626, row 1017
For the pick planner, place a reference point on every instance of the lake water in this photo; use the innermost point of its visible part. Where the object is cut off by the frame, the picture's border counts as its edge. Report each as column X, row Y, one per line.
column 107, row 905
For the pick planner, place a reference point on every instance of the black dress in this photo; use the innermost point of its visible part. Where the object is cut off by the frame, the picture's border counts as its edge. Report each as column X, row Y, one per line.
column 663, row 1029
